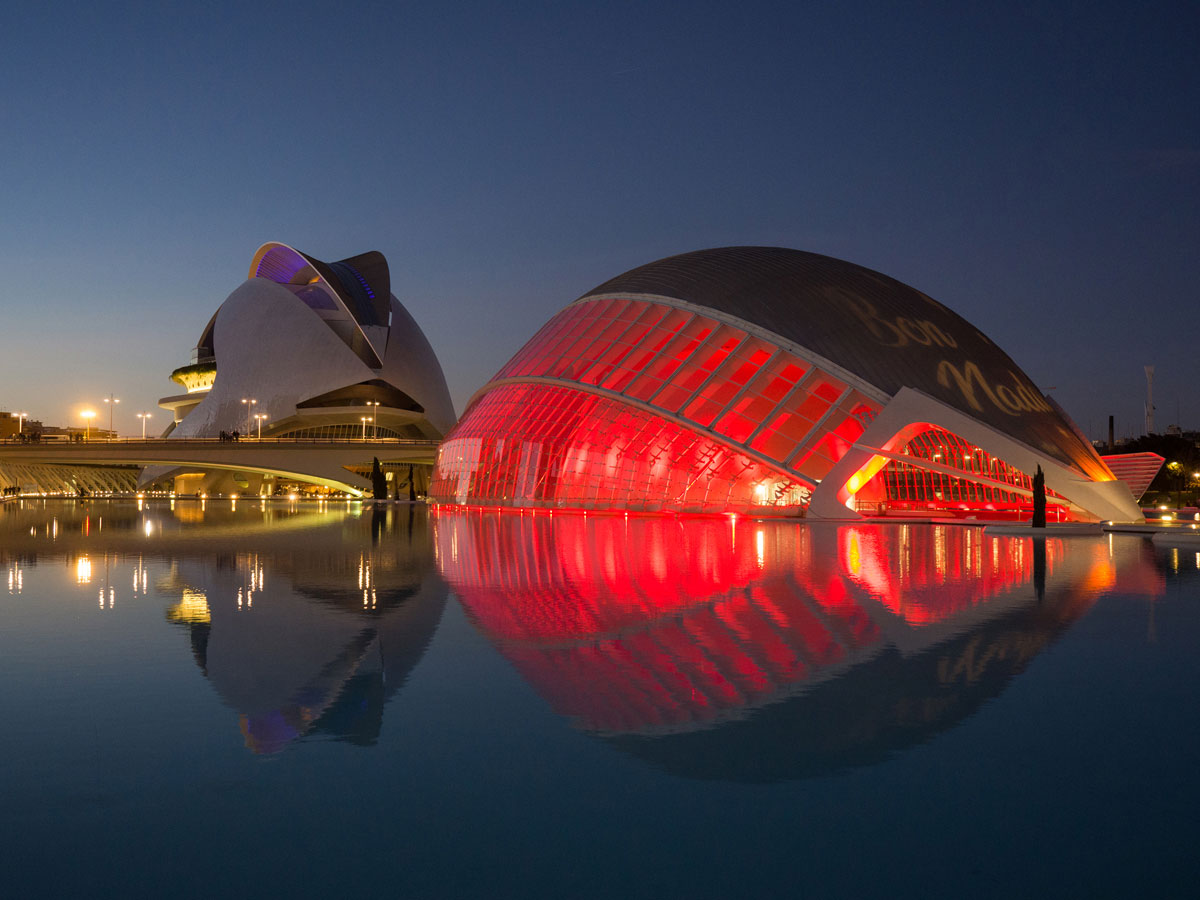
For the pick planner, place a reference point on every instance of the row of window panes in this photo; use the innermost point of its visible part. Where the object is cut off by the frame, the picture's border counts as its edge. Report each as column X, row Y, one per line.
column 539, row 445
column 343, row 432
column 948, row 449
column 907, row 482
column 712, row 374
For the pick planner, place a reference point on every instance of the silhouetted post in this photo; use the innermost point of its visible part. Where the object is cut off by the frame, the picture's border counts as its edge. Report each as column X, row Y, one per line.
column 412, row 485
column 1039, row 499
column 379, row 481
column 1039, row 567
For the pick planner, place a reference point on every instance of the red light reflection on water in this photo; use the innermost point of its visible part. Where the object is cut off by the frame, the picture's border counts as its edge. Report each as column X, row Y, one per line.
column 651, row 624
column 926, row 575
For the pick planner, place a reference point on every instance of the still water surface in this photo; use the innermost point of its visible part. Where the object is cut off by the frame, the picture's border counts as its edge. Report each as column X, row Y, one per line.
column 207, row 701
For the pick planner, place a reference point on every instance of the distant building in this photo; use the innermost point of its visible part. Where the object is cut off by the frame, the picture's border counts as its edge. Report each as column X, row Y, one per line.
column 766, row 380
column 11, row 424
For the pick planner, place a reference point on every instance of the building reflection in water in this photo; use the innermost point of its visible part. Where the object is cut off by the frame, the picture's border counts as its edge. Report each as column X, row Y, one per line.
column 306, row 630
column 735, row 649
column 310, row 642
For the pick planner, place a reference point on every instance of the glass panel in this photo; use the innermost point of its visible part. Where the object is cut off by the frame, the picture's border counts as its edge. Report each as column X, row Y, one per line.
column 696, row 370
column 813, row 465
column 779, row 377
column 782, row 435
column 816, row 398
column 575, row 354
column 541, row 345
column 679, row 349
column 636, row 330
column 542, row 445
column 727, row 381
column 651, row 344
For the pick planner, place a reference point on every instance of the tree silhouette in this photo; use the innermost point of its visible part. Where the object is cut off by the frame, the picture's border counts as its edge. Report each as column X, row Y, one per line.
column 378, row 480
column 1039, row 499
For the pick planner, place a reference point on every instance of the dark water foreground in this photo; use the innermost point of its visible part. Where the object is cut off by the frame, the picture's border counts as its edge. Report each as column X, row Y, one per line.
column 326, row 701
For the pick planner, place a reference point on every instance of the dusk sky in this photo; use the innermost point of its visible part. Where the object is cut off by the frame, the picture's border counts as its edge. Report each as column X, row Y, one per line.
column 1035, row 167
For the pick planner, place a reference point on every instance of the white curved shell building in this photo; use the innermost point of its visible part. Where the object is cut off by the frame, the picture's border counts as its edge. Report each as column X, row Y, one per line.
column 308, row 349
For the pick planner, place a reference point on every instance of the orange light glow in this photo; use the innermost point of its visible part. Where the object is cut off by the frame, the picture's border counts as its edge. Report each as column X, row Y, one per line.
column 859, row 479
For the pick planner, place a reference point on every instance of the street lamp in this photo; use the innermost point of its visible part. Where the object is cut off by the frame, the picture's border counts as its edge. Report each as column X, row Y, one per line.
column 259, row 419
column 21, row 417
column 143, row 416
column 250, row 403
column 111, row 401
column 364, row 420
column 374, row 419
column 87, row 415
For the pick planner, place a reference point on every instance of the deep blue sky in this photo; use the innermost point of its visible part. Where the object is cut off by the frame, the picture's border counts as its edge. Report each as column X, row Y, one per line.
column 1036, row 167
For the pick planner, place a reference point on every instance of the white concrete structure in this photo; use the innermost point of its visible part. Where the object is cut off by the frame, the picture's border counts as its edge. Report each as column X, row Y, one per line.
column 911, row 412
column 311, row 350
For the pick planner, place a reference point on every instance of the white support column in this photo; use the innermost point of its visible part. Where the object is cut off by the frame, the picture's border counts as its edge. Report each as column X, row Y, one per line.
column 1103, row 500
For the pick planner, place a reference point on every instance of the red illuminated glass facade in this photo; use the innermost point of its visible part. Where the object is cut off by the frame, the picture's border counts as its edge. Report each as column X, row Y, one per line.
column 538, row 445
column 630, row 404
column 744, row 380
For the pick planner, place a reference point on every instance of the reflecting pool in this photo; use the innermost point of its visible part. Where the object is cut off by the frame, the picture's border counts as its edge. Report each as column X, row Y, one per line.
column 235, row 698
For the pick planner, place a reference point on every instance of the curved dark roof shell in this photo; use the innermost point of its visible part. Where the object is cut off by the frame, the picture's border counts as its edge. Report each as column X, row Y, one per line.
column 885, row 332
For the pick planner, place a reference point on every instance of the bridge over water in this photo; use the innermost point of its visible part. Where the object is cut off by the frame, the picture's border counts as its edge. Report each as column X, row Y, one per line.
column 316, row 462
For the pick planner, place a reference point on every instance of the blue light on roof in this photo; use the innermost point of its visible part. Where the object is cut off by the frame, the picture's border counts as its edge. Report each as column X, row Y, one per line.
column 362, row 281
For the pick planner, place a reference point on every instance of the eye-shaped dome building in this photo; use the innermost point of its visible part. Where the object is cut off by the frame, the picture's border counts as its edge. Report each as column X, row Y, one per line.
column 767, row 380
